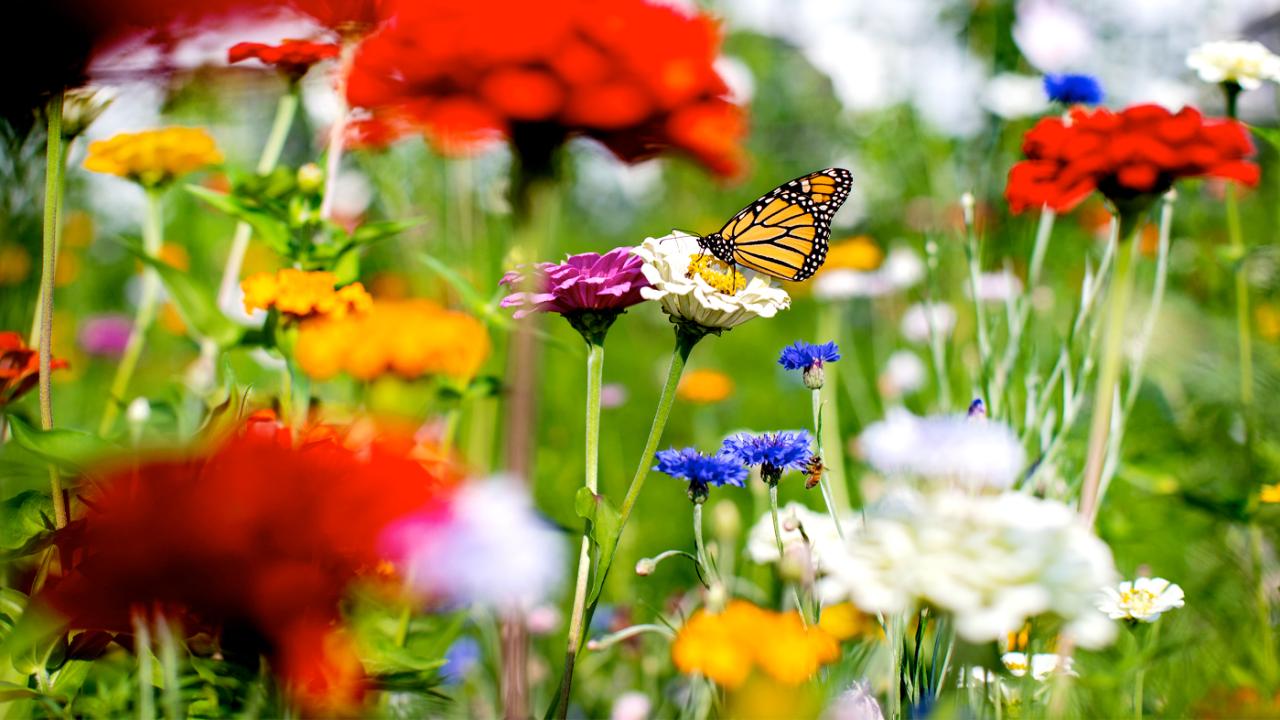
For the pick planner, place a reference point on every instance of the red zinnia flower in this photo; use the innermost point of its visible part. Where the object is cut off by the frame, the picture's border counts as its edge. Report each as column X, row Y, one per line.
column 256, row 540
column 634, row 74
column 1135, row 153
column 19, row 367
column 292, row 57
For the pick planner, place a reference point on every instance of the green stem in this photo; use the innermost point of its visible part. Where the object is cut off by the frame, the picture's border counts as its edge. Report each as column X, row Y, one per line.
column 1262, row 602
column 595, row 381
column 980, row 317
column 142, row 649
column 823, row 480
column 286, row 109
column 169, row 669
column 773, row 511
column 829, row 434
column 55, row 170
column 1243, row 325
column 152, row 239
column 700, row 547
column 1109, row 373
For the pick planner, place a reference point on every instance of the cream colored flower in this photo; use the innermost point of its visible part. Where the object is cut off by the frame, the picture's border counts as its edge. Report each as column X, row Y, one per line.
column 945, row 450
column 797, row 522
column 1142, row 600
column 693, row 286
column 1041, row 665
column 1244, row 62
column 922, row 320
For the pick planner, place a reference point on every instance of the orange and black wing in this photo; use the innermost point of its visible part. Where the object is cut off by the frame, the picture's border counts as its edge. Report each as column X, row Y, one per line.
column 784, row 234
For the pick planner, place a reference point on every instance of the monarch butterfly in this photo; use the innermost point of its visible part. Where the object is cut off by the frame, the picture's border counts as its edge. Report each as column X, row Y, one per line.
column 784, row 233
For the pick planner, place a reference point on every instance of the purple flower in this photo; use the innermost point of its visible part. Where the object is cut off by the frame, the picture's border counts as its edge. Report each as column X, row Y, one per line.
column 589, row 282
column 105, row 335
column 774, row 452
column 701, row 471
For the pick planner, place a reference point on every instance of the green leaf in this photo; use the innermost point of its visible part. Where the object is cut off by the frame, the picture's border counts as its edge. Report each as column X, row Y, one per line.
column 198, row 304
column 26, row 516
column 347, row 268
column 71, row 450
column 475, row 302
column 375, row 231
column 270, row 229
column 606, row 524
column 1271, row 135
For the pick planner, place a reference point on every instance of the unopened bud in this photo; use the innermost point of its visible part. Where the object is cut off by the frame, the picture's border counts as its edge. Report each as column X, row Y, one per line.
column 310, row 178
column 717, row 596
column 646, row 566
column 698, row 492
column 794, row 566
column 967, row 205
column 814, row 376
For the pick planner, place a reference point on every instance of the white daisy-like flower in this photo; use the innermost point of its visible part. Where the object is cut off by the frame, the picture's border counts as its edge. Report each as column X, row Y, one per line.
column 992, row 561
column 997, row 286
column 949, row 450
column 1244, row 62
column 1141, row 600
column 693, row 286
column 1041, row 665
column 904, row 372
column 902, row 268
column 1012, row 96
column 797, row 522
column 921, row 320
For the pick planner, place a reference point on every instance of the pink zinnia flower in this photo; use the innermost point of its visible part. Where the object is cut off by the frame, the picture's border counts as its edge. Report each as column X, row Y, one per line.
column 105, row 335
column 590, row 282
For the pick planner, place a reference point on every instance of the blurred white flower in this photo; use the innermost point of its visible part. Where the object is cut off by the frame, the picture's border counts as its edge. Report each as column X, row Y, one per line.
column 902, row 268
column 613, row 395
column 631, row 705
column 856, row 703
column 489, row 547
column 1244, row 62
column 1042, row 665
column 138, row 412
column 922, row 320
column 1051, row 36
column 992, row 561
column 904, row 372
column 1012, row 96
column 797, row 522
column 737, row 75
column 713, row 295
column 844, row 283
column 998, row 286
column 352, row 194
column 543, row 619
column 1142, row 600
column 945, row 449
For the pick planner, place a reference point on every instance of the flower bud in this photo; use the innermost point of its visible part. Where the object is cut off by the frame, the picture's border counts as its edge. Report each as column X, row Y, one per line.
column 717, row 596
column 646, row 566
column 795, row 566
column 310, row 178
column 967, row 205
column 139, row 411
column 814, row 376
column 81, row 107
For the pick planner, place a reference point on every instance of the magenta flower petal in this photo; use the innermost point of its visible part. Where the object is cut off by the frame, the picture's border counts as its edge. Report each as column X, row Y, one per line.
column 585, row 282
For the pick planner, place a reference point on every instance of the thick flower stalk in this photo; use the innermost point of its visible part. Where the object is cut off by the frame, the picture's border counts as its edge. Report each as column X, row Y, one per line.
column 590, row 291
column 1132, row 157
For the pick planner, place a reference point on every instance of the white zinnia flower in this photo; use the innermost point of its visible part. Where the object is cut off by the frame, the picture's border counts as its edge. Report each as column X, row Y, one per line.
column 922, row 320
column 1244, row 62
column 949, row 449
column 489, row 548
column 1042, row 665
column 993, row 562
column 713, row 297
column 1142, row 600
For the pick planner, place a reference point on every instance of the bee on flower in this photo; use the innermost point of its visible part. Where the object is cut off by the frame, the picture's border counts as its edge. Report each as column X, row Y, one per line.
column 154, row 158
column 1143, row 600
column 774, row 453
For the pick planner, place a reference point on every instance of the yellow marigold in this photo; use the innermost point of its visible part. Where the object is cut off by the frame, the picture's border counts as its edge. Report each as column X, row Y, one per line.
column 704, row 387
column 843, row 621
column 303, row 293
column 856, row 253
column 1270, row 493
column 727, row 646
column 411, row 338
column 1267, row 316
column 154, row 157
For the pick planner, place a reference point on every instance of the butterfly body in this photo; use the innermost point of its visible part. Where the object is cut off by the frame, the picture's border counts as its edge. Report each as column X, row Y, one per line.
column 784, row 234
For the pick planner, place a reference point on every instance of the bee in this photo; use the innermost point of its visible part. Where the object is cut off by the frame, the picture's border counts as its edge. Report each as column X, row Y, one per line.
column 814, row 470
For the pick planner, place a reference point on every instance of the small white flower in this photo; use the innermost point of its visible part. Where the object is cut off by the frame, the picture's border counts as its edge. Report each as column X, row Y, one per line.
column 1042, row 665
column 1142, row 600
column 856, row 703
column 844, row 283
column 993, row 562
column 631, row 705
column 796, row 523
column 1012, row 96
column 998, row 286
column 902, row 268
column 945, row 449
column 904, row 372
column 1244, row 62
column 922, row 320
column 138, row 411
column 714, row 296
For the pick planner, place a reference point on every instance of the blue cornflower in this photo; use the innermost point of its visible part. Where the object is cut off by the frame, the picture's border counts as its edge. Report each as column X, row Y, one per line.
column 774, row 452
column 459, row 660
column 809, row 358
column 1073, row 89
column 701, row 471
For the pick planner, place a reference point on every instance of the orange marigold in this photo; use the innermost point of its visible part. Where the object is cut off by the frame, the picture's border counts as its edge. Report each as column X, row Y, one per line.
column 727, row 646
column 303, row 293
column 857, row 253
column 411, row 338
column 154, row 157
column 704, row 387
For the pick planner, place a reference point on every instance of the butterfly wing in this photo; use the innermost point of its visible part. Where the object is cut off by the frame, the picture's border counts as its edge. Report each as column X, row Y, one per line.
column 784, row 234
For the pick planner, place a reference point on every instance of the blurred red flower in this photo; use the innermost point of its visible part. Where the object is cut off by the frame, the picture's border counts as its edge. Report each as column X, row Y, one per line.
column 345, row 16
column 256, row 539
column 19, row 367
column 291, row 57
column 636, row 75
column 1135, row 153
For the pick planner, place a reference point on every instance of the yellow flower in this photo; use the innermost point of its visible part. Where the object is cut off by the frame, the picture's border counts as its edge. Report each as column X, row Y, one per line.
column 726, row 647
column 704, row 387
column 303, row 294
column 857, row 253
column 411, row 338
column 15, row 263
column 154, row 157
column 843, row 621
column 1267, row 316
column 1270, row 493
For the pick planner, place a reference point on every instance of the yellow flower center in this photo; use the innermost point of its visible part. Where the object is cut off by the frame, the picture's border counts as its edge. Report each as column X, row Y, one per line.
column 718, row 274
column 1139, row 603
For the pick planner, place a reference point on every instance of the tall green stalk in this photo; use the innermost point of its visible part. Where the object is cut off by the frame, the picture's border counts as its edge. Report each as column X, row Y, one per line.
column 1109, row 374
column 595, row 380
column 824, row 480
column 829, row 432
column 55, row 171
column 152, row 239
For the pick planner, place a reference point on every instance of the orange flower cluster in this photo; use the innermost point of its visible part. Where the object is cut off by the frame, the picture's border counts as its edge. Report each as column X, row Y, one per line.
column 411, row 338
column 727, row 646
column 19, row 367
column 153, row 157
column 634, row 74
column 303, row 294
